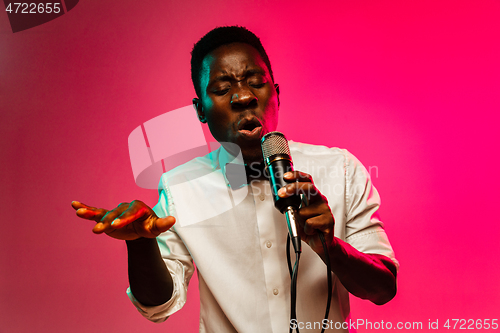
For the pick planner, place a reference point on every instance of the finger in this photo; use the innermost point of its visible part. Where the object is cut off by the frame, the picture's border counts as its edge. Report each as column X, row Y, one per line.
column 162, row 224
column 114, row 213
column 321, row 222
column 306, row 188
column 77, row 205
column 99, row 228
column 315, row 209
column 297, row 176
column 136, row 210
column 88, row 212
column 104, row 220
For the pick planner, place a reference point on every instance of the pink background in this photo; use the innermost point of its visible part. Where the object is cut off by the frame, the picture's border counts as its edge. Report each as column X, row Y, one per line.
column 410, row 87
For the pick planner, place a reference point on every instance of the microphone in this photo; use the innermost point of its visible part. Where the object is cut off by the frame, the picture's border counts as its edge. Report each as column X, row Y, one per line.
column 278, row 161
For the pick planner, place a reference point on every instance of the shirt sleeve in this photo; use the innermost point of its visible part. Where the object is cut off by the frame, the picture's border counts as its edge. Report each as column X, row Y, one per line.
column 364, row 229
column 178, row 261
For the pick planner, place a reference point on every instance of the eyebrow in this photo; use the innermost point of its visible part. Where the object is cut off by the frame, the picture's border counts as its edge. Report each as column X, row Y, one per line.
column 250, row 72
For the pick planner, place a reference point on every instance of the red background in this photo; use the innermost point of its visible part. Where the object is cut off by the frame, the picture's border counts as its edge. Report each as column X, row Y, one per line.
column 410, row 87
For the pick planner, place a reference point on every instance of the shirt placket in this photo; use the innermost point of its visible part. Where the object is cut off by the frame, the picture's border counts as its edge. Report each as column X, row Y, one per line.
column 273, row 254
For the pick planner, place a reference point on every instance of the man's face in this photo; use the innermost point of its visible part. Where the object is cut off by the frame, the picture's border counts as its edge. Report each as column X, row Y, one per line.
column 238, row 98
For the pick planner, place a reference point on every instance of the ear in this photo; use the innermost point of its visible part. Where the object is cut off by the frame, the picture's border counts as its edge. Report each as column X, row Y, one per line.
column 277, row 87
column 199, row 110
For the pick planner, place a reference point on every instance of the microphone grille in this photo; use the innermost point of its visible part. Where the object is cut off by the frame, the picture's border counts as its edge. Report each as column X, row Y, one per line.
column 274, row 143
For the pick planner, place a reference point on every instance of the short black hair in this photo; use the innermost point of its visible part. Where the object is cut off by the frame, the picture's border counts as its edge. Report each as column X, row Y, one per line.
column 218, row 37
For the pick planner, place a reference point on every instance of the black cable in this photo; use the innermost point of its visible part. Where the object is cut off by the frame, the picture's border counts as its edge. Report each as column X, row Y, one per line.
column 293, row 277
column 329, row 272
column 288, row 259
column 293, row 285
column 293, row 303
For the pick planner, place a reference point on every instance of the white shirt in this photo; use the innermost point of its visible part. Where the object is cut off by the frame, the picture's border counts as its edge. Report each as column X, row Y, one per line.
column 237, row 238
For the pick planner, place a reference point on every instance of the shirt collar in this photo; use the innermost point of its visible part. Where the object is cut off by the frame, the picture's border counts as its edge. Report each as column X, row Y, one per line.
column 225, row 157
column 235, row 175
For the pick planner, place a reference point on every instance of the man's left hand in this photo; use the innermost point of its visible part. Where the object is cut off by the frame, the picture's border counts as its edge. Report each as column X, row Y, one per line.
column 366, row 275
column 315, row 217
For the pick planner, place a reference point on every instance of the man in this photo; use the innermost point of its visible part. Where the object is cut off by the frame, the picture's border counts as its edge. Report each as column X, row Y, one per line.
column 240, row 252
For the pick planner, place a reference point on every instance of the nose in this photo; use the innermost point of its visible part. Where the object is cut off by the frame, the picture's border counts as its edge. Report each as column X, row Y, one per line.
column 243, row 97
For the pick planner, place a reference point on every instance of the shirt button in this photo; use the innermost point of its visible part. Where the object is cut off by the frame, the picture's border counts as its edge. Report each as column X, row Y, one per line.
column 269, row 244
column 276, row 291
column 262, row 197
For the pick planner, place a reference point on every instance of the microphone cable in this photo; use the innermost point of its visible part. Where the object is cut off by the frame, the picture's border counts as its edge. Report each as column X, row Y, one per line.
column 293, row 286
column 293, row 275
column 278, row 161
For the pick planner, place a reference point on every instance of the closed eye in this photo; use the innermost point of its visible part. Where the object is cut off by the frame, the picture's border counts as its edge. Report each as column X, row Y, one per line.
column 221, row 92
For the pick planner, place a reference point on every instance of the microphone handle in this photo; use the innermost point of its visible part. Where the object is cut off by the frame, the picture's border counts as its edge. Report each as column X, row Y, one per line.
column 291, row 221
column 276, row 169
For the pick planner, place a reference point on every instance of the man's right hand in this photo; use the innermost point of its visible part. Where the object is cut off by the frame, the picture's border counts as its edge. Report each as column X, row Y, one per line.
column 128, row 221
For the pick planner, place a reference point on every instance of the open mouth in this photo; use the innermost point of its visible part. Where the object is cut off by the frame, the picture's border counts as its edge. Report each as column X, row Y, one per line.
column 249, row 127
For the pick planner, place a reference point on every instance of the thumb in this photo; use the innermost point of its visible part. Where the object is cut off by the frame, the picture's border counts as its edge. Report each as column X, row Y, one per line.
column 164, row 223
